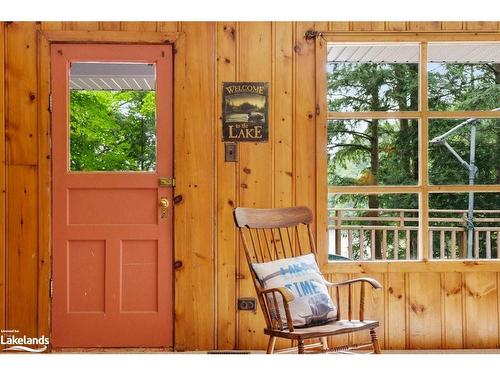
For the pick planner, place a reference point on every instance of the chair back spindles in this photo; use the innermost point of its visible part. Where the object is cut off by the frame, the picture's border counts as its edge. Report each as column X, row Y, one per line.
column 250, row 258
column 282, row 230
column 311, row 239
column 275, row 247
column 266, row 241
column 265, row 256
column 252, row 240
column 290, row 241
column 283, row 245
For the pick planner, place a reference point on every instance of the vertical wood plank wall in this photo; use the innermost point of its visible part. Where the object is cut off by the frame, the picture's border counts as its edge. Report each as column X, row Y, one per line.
column 428, row 308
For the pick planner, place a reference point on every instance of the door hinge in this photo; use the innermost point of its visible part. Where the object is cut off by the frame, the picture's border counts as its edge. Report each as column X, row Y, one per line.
column 51, row 288
column 50, row 102
column 311, row 34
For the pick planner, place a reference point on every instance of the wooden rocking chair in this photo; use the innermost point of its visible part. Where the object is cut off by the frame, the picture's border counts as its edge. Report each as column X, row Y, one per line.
column 271, row 234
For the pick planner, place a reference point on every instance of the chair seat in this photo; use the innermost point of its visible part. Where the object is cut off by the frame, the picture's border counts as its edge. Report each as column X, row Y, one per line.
column 336, row 327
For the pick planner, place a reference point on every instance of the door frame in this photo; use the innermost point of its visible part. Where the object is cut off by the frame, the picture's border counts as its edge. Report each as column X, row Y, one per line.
column 45, row 39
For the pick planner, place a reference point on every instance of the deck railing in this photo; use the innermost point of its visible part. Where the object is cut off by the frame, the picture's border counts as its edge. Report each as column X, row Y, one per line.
column 373, row 234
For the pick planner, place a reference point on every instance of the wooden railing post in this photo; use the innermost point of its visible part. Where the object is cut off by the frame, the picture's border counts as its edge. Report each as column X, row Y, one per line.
column 396, row 233
column 488, row 244
column 395, row 244
column 431, row 244
column 453, row 249
column 408, row 244
column 373, row 247
column 338, row 232
column 464, row 235
column 498, row 244
column 384, row 244
column 476, row 243
column 361, row 243
column 442, row 244
column 349, row 243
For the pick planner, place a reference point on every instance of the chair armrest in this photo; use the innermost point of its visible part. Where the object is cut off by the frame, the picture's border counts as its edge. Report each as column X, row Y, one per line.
column 275, row 321
column 284, row 292
column 374, row 283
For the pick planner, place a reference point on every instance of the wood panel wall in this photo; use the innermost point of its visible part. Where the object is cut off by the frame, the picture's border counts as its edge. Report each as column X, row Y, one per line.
column 418, row 308
column 447, row 306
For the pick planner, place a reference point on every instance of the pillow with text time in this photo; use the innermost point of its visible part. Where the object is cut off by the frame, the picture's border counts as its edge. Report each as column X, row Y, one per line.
column 312, row 304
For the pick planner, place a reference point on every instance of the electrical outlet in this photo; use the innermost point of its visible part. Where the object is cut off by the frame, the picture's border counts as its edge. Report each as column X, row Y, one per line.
column 248, row 304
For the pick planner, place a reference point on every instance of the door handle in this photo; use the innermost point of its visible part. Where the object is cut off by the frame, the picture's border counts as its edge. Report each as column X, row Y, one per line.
column 164, row 204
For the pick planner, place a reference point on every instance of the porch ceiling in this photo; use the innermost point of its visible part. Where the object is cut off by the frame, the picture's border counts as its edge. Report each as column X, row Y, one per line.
column 112, row 76
column 409, row 52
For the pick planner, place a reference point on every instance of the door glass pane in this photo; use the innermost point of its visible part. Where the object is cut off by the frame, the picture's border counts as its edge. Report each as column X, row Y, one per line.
column 464, row 76
column 112, row 116
column 373, row 77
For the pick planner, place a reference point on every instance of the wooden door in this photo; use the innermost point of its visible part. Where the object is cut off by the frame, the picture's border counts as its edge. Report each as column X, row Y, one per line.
column 112, row 240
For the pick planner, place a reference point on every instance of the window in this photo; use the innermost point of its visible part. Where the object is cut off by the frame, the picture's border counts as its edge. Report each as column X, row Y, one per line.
column 445, row 168
column 366, row 151
column 464, row 76
column 412, row 145
column 358, row 231
column 112, row 117
column 367, row 77
column 448, row 230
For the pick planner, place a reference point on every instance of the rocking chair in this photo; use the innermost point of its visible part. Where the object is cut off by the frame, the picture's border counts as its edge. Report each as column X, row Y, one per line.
column 272, row 234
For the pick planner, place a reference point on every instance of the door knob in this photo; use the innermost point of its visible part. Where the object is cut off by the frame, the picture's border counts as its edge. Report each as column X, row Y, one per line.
column 164, row 203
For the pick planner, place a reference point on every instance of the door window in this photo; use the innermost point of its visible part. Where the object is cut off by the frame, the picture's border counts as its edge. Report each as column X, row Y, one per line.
column 112, row 117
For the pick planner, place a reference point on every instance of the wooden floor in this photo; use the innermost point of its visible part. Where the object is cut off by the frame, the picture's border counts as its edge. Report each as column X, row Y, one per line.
column 448, row 351
column 229, row 352
column 111, row 350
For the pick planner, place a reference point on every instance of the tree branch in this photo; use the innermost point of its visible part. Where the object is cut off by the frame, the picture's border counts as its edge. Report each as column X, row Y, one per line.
column 346, row 97
column 366, row 136
column 361, row 147
column 492, row 68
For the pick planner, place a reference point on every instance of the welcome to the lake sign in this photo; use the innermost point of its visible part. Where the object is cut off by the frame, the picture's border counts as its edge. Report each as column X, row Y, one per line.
column 245, row 111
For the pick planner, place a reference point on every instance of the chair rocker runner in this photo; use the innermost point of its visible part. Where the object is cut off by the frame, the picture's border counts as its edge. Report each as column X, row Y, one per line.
column 281, row 234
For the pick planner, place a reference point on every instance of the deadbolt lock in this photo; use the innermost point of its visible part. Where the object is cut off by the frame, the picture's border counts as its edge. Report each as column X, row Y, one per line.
column 167, row 182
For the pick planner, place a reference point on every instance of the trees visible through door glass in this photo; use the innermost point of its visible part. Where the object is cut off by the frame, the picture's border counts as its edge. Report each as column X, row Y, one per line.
column 112, row 117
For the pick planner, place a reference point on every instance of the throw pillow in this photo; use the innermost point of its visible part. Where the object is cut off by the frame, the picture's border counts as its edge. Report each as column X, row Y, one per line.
column 301, row 276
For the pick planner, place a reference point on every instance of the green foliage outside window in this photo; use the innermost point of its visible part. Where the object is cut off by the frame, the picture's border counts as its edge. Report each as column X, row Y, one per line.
column 112, row 130
column 385, row 152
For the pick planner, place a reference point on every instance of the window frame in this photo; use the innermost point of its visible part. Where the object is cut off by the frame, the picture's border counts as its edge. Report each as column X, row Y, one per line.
column 423, row 115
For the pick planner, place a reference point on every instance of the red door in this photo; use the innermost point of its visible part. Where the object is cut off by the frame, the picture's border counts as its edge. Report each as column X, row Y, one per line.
column 112, row 231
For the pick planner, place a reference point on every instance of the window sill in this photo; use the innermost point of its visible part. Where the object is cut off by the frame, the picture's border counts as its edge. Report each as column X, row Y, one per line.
column 432, row 265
